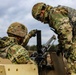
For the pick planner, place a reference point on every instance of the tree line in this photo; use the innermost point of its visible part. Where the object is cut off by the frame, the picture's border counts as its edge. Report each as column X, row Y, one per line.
column 34, row 47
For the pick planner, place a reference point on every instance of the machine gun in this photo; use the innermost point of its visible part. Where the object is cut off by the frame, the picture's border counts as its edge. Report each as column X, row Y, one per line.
column 41, row 52
column 39, row 56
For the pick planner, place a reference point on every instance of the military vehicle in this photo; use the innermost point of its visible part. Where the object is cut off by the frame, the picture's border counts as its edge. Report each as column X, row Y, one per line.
column 41, row 67
column 7, row 68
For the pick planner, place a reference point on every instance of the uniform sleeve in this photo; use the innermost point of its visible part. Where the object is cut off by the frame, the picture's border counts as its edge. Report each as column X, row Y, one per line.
column 60, row 22
column 65, row 34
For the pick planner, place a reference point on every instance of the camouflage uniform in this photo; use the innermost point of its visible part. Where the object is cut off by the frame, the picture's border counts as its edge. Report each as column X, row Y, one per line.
column 11, row 49
column 59, row 19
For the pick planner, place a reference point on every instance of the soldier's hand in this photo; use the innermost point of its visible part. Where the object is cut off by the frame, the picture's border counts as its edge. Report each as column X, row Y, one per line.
column 33, row 32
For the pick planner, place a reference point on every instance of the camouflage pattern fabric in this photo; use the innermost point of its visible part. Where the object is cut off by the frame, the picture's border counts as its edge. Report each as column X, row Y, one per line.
column 18, row 54
column 5, row 43
column 59, row 20
column 17, row 29
column 72, row 16
column 10, row 49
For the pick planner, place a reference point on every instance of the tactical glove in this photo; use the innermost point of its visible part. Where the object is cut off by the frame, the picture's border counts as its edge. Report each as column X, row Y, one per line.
column 33, row 32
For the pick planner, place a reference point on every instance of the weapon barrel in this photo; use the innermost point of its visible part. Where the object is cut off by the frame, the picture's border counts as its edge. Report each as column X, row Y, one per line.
column 50, row 40
column 46, row 45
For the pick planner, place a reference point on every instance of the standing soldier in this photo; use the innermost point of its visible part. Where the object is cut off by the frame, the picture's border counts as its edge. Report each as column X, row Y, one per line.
column 62, row 19
column 12, row 48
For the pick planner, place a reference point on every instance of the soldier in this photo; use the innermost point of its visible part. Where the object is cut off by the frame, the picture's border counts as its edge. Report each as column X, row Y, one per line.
column 11, row 47
column 62, row 20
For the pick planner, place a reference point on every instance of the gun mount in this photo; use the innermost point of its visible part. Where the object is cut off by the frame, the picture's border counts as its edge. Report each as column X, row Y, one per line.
column 42, row 51
column 40, row 54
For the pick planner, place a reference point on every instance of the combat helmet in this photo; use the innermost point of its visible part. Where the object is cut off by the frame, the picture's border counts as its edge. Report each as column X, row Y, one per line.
column 17, row 29
column 36, row 10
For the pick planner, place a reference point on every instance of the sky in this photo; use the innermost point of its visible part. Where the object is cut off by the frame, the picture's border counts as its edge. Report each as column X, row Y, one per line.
column 20, row 11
